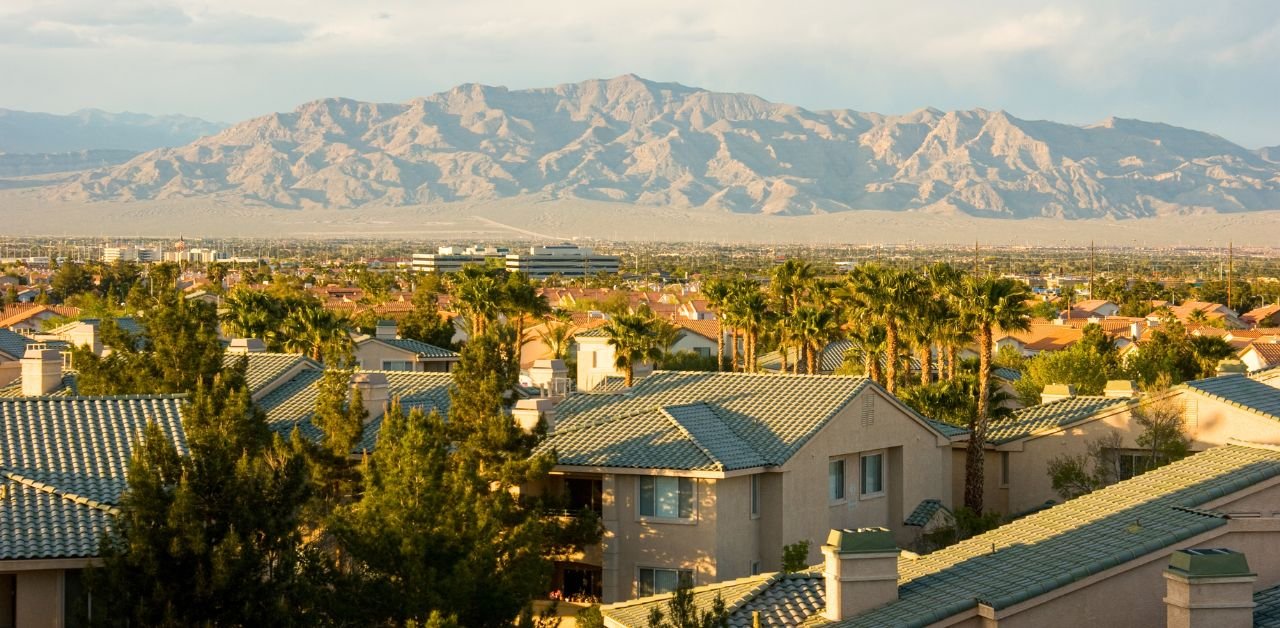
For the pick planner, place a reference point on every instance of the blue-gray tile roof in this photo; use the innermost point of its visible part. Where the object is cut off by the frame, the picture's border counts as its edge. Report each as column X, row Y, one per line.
column 1069, row 542
column 1241, row 391
column 771, row 415
column 14, row 345
column 64, row 461
column 1266, row 613
column 1048, row 416
column 264, row 368
column 422, row 349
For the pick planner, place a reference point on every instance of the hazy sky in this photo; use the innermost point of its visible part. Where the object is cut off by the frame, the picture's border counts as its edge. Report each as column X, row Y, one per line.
column 1209, row 65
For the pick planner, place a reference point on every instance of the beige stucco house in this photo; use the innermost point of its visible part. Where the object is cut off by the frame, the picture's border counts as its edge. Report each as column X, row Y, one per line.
column 1195, row 544
column 1020, row 448
column 705, row 476
column 387, row 351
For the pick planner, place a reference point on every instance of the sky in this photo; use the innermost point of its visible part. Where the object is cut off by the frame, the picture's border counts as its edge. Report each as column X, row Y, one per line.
column 1211, row 66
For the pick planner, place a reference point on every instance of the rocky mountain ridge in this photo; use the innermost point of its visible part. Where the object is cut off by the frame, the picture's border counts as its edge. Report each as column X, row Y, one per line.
column 631, row 140
column 27, row 132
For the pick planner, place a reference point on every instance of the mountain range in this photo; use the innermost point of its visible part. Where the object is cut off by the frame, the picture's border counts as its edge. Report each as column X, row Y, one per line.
column 630, row 140
column 27, row 132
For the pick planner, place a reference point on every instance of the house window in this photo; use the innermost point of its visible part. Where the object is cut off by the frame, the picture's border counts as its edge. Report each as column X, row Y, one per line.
column 656, row 581
column 397, row 365
column 755, row 567
column 1004, row 468
column 1133, row 463
column 835, row 480
column 872, row 474
column 666, row 497
column 703, row 352
column 755, row 496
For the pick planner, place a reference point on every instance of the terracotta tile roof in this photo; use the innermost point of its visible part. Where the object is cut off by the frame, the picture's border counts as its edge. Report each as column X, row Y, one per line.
column 1264, row 313
column 1268, row 351
column 18, row 313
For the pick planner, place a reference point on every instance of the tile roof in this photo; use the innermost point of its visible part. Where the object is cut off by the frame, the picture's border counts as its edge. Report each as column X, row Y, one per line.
column 1266, row 613
column 1048, row 416
column 263, row 368
column 1268, row 351
column 293, row 402
column 1071, row 541
column 692, row 437
column 1243, row 392
column 594, row 332
column 67, row 388
column 21, row 312
column 64, row 461
column 1261, row 313
column 15, row 345
column 421, row 348
column 781, row 599
column 923, row 514
column 1007, row 374
column 773, row 414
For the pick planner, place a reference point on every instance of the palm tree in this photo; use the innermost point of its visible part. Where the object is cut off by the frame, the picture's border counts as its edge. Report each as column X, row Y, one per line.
column 558, row 337
column 989, row 303
column 479, row 295
column 520, row 299
column 315, row 332
column 887, row 296
column 635, row 340
column 791, row 280
column 815, row 327
column 717, row 294
column 752, row 308
column 248, row 313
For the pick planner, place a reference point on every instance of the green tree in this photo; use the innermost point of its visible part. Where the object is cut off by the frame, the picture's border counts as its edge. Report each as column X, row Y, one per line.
column 795, row 556
column 425, row 323
column 989, row 303
column 1087, row 365
column 70, row 280
column 634, row 338
column 479, row 294
column 683, row 612
column 887, row 297
column 210, row 538
column 717, row 294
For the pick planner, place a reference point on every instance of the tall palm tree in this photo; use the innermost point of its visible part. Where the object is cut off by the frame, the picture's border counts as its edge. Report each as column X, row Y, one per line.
column 315, row 332
column 635, row 340
column 480, row 296
column 888, row 296
column 815, row 327
column 717, row 294
column 558, row 337
column 520, row 298
column 248, row 313
column 790, row 282
column 989, row 303
column 753, row 315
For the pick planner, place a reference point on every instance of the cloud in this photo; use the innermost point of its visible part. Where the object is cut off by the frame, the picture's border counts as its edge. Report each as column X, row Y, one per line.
column 114, row 22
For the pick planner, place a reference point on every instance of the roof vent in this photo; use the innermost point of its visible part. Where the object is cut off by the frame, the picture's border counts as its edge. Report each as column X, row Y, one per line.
column 1057, row 392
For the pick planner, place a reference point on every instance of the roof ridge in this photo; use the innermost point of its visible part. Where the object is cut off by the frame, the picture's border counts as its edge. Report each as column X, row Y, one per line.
column 693, row 439
column 716, row 410
column 175, row 396
column 723, row 584
column 53, row 490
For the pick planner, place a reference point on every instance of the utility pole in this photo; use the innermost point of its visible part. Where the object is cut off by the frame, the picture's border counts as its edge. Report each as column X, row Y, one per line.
column 975, row 258
column 1231, row 258
column 1091, row 259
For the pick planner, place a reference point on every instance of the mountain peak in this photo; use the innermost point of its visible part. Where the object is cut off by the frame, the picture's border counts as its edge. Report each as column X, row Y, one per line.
column 629, row 139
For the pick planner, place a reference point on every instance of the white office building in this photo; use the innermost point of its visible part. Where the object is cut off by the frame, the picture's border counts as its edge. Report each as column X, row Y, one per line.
column 130, row 254
column 565, row 260
column 451, row 259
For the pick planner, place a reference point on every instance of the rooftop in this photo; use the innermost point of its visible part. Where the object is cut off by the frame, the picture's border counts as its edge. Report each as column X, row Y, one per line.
column 1071, row 541
column 781, row 599
column 1246, row 393
column 1049, row 416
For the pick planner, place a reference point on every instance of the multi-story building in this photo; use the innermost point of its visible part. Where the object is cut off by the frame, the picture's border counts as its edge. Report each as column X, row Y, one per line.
column 451, row 259
column 565, row 260
column 130, row 254
column 706, row 476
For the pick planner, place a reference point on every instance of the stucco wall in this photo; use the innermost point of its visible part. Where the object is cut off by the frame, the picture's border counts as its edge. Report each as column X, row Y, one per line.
column 659, row 544
column 926, row 475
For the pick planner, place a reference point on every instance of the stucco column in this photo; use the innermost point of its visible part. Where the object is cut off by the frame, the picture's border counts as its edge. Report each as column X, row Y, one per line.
column 608, row 541
column 39, row 600
column 1209, row 588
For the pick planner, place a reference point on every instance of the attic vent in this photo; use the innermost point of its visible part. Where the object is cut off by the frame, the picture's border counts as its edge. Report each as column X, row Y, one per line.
column 868, row 410
column 1190, row 413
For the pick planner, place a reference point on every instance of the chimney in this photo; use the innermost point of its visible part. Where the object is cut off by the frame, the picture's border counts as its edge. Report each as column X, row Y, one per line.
column 242, row 346
column 1208, row 588
column 41, row 370
column 861, row 570
column 1135, row 331
column 1232, row 367
column 386, row 330
column 550, row 376
column 527, row 413
column 1120, row 389
column 1057, row 392
column 375, row 392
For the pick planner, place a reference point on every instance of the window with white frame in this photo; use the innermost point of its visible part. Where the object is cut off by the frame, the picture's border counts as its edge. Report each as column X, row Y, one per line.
column 656, row 581
column 835, row 480
column 871, row 474
column 666, row 497
column 755, row 495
